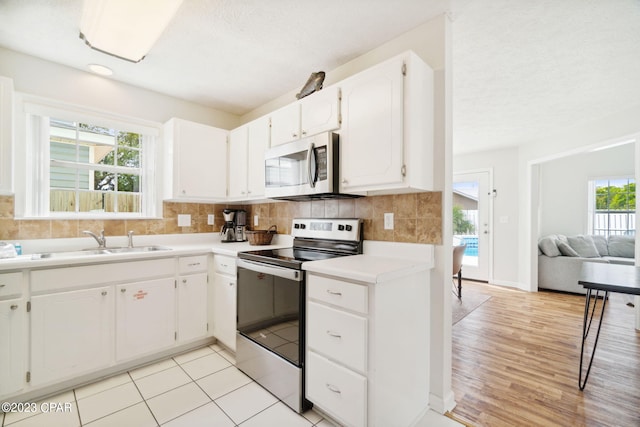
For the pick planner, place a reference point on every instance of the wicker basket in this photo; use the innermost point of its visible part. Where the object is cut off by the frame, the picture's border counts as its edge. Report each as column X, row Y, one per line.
column 261, row 237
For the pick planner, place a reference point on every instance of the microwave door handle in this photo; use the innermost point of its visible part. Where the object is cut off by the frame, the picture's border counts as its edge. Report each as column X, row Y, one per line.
column 310, row 169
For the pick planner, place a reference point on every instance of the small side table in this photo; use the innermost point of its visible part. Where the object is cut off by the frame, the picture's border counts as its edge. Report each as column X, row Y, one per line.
column 624, row 279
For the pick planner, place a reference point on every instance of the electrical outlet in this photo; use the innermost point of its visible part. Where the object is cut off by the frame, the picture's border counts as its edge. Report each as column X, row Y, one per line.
column 184, row 220
column 211, row 219
column 388, row 221
column 255, row 220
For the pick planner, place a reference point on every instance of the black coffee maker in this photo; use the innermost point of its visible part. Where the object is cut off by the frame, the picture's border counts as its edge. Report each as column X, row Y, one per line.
column 228, row 231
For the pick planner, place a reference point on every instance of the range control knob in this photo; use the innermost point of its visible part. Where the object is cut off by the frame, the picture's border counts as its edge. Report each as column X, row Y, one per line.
column 349, row 228
column 341, row 227
column 303, row 226
column 296, row 225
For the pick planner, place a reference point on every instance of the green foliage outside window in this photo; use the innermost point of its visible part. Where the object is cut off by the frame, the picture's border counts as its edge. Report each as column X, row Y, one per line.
column 460, row 224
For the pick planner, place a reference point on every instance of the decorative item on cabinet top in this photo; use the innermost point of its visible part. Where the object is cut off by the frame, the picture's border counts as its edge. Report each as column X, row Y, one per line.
column 313, row 84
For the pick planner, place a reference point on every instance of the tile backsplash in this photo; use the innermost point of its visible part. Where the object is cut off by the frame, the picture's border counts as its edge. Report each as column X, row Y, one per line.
column 417, row 218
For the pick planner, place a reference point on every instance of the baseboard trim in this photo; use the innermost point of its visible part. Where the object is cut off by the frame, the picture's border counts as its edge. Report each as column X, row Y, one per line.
column 441, row 405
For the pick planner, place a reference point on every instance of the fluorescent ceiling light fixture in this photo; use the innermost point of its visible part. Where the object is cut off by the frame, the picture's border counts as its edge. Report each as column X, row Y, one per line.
column 126, row 29
column 100, row 69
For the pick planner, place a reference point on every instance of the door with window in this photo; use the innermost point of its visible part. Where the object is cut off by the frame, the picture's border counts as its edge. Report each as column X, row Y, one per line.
column 472, row 222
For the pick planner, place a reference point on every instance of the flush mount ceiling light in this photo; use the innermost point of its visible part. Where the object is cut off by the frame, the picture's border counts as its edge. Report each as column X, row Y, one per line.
column 126, row 29
column 100, row 69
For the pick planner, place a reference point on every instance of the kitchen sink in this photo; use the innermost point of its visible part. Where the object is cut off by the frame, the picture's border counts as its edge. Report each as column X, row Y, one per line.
column 105, row 251
column 138, row 249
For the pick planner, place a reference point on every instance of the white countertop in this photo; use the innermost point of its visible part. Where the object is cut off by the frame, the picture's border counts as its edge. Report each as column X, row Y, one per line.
column 367, row 268
column 181, row 245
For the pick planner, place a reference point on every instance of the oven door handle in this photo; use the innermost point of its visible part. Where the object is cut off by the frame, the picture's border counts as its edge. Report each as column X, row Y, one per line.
column 285, row 273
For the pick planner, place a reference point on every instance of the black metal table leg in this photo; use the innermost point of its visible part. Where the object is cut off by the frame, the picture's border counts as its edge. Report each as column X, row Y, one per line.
column 586, row 327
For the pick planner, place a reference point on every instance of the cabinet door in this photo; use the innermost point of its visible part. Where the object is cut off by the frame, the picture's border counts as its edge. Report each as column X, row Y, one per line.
column 258, row 142
column 372, row 128
column 224, row 309
column 320, row 112
column 13, row 352
column 71, row 333
column 200, row 161
column 285, row 124
column 238, row 140
column 192, row 307
column 145, row 317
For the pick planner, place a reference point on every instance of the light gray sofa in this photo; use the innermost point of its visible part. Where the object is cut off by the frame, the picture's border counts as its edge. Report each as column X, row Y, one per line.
column 560, row 258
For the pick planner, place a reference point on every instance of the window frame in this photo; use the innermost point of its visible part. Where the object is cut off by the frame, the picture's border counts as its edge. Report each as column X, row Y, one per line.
column 33, row 161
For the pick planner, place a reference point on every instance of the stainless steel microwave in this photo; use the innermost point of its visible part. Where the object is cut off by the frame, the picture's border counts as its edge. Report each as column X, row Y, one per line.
column 304, row 169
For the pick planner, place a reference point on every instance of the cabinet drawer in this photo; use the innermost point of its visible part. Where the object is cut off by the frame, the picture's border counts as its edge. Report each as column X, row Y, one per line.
column 343, row 294
column 193, row 264
column 10, row 284
column 338, row 334
column 224, row 264
column 336, row 390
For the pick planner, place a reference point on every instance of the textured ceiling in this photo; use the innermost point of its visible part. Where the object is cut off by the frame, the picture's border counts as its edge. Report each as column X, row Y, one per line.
column 521, row 68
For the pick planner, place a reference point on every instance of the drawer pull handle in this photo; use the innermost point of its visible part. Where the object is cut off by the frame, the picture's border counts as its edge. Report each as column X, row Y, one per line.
column 123, row 290
column 333, row 388
column 2, row 285
column 14, row 306
column 329, row 291
column 193, row 264
column 104, row 293
column 184, row 280
column 334, row 334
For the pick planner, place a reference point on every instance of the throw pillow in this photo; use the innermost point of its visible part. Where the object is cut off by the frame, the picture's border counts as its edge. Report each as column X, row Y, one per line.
column 601, row 245
column 548, row 246
column 565, row 249
column 584, row 246
column 622, row 246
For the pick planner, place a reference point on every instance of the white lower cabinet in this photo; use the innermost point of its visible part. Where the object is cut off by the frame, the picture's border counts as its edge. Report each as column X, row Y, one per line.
column 332, row 386
column 71, row 333
column 13, row 350
column 192, row 307
column 145, row 317
column 224, row 300
column 192, row 285
column 367, row 350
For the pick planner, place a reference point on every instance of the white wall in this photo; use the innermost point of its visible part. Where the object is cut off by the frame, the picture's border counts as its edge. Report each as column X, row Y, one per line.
column 563, row 207
column 504, row 229
column 50, row 80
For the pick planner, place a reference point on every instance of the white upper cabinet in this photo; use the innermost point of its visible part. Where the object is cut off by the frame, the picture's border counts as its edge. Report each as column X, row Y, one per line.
column 247, row 145
column 196, row 161
column 386, row 135
column 6, row 133
column 285, row 124
column 316, row 113
column 320, row 112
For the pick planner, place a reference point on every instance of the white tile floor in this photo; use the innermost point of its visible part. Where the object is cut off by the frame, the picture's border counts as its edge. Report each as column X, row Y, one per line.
column 199, row 388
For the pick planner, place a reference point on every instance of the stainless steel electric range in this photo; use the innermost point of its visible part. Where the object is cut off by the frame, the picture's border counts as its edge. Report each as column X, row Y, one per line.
column 271, row 304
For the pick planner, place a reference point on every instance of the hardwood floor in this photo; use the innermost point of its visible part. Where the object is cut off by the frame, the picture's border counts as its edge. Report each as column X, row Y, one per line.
column 516, row 359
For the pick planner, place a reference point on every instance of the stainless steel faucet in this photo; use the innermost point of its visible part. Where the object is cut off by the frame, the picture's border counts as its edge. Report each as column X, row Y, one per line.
column 102, row 241
column 130, row 235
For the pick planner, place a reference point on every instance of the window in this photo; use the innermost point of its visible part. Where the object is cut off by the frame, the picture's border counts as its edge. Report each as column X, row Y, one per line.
column 82, row 164
column 613, row 206
column 93, row 169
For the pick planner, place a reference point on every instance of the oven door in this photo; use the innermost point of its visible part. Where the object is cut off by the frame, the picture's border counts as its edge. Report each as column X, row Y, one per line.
column 271, row 308
column 300, row 168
